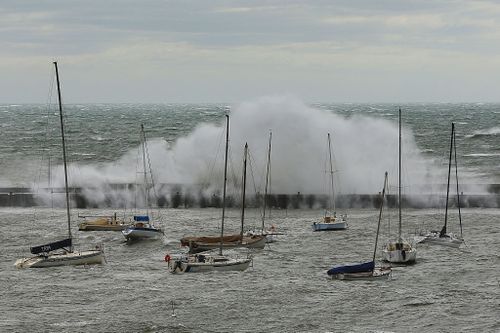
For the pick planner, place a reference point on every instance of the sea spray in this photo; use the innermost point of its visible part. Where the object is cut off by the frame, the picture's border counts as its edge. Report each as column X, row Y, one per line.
column 364, row 147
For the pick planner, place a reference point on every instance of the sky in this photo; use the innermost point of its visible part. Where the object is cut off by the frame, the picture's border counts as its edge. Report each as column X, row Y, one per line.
column 199, row 51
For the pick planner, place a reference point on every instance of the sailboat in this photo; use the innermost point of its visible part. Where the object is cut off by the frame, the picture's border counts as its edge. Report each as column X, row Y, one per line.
column 200, row 244
column 443, row 237
column 101, row 223
column 331, row 221
column 270, row 232
column 209, row 262
column 367, row 270
column 44, row 255
column 399, row 250
column 142, row 227
column 203, row 262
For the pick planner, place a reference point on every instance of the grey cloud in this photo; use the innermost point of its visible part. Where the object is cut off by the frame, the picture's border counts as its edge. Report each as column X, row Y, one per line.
column 266, row 46
column 95, row 24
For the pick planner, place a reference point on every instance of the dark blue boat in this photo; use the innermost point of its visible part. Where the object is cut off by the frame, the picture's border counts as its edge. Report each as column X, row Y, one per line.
column 367, row 267
column 356, row 268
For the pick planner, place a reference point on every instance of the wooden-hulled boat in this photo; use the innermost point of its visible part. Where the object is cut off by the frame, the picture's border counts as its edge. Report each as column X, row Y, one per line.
column 101, row 223
column 202, row 263
column 200, row 244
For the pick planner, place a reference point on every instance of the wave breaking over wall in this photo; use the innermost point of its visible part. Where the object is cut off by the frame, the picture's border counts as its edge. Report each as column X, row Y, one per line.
column 364, row 148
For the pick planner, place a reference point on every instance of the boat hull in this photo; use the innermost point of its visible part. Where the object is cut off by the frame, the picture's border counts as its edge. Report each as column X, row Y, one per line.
column 253, row 242
column 448, row 240
column 329, row 226
column 271, row 236
column 135, row 233
column 376, row 274
column 105, row 223
column 97, row 227
column 400, row 256
column 65, row 259
column 181, row 266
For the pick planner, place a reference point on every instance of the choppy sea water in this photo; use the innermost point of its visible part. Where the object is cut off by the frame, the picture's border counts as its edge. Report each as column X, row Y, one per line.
column 104, row 133
column 286, row 290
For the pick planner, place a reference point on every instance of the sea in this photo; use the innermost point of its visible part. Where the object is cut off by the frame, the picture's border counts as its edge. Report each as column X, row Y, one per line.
column 100, row 137
column 287, row 288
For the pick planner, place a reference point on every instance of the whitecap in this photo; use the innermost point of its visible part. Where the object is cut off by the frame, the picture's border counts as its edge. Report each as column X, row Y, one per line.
column 482, row 154
column 488, row 132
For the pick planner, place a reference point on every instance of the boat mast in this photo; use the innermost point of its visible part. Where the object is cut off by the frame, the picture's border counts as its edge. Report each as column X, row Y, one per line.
column 268, row 169
column 64, row 153
column 382, row 197
column 49, row 183
column 143, row 144
column 245, row 153
column 443, row 231
column 49, row 175
column 224, row 187
column 332, row 198
column 456, row 175
column 399, row 179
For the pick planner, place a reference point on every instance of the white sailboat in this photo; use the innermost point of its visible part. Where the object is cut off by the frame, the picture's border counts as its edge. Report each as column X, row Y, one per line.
column 142, row 227
column 443, row 237
column 44, row 255
column 198, row 244
column 269, row 232
column 399, row 250
column 194, row 263
column 331, row 221
column 367, row 270
column 206, row 262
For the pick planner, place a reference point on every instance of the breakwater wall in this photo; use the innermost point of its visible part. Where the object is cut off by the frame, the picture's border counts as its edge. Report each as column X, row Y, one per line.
column 179, row 197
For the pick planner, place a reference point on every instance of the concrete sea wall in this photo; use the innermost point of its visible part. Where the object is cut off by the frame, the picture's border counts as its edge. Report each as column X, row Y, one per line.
column 180, row 197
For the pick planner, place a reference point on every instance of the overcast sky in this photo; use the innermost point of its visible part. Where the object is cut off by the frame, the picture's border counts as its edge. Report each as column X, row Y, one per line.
column 232, row 51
